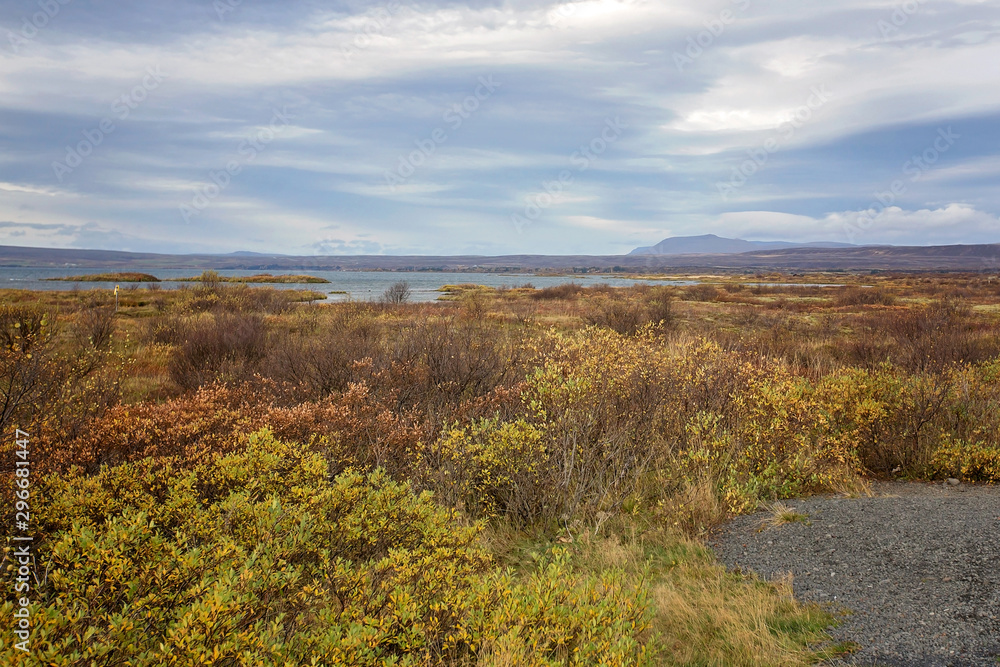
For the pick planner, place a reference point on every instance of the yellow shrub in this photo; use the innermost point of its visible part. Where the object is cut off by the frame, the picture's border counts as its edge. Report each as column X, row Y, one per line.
column 490, row 468
column 638, row 418
column 256, row 558
column 973, row 461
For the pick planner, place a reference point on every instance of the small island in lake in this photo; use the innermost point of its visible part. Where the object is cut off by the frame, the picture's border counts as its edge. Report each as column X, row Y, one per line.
column 258, row 278
column 123, row 277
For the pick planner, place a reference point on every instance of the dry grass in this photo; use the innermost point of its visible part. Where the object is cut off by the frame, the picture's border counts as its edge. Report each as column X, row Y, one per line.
column 703, row 615
column 778, row 514
column 706, row 616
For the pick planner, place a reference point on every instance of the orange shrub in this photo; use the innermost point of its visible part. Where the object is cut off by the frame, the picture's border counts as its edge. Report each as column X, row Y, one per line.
column 355, row 430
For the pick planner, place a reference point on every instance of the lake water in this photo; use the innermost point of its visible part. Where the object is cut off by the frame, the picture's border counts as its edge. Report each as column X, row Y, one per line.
column 356, row 285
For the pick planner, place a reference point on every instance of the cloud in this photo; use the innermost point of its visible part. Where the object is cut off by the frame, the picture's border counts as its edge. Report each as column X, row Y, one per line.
column 369, row 82
column 341, row 247
column 954, row 223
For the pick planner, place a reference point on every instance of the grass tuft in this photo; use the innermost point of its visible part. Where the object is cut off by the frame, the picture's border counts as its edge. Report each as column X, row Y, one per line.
column 779, row 514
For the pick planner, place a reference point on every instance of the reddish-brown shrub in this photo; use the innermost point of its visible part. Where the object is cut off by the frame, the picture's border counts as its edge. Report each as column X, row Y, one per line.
column 227, row 346
column 564, row 291
column 328, row 356
column 700, row 292
column 864, row 296
column 355, row 429
column 94, row 327
column 437, row 363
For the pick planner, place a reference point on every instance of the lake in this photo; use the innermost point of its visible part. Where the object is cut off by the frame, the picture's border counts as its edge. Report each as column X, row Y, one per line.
column 355, row 285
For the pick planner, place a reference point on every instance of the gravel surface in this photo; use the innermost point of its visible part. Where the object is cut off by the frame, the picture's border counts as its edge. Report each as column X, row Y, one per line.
column 917, row 566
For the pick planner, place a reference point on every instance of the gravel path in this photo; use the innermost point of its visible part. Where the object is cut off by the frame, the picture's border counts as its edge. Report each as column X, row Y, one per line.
column 918, row 566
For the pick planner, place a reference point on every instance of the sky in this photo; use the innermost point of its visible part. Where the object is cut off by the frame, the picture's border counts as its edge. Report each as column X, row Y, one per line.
column 487, row 127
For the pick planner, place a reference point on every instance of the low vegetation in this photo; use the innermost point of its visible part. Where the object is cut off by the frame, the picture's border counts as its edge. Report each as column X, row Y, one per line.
column 229, row 475
column 213, row 278
column 124, row 277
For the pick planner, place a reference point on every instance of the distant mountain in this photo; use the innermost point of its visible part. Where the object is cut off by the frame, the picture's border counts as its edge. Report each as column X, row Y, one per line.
column 248, row 253
column 978, row 258
column 710, row 244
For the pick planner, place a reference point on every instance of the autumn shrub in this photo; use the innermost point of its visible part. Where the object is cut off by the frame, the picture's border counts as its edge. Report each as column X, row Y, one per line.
column 224, row 346
column 774, row 448
column 214, row 296
column 642, row 420
column 973, row 409
column 258, row 557
column 557, row 616
column 919, row 339
column 397, row 293
column 28, row 372
column 969, row 425
column 166, row 329
column 660, row 306
column 47, row 388
column 700, row 292
column 254, row 558
column 887, row 417
column 612, row 411
column 523, row 311
column 328, row 354
column 351, row 428
column 621, row 316
column 249, row 299
column 608, row 412
column 22, row 325
column 561, row 292
column 190, row 428
column 628, row 315
column 972, row 461
column 437, row 363
column 95, row 326
column 864, row 296
column 357, row 428
column 489, row 469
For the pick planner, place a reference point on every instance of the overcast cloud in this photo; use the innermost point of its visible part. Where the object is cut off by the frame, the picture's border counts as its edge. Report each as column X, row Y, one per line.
column 496, row 127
